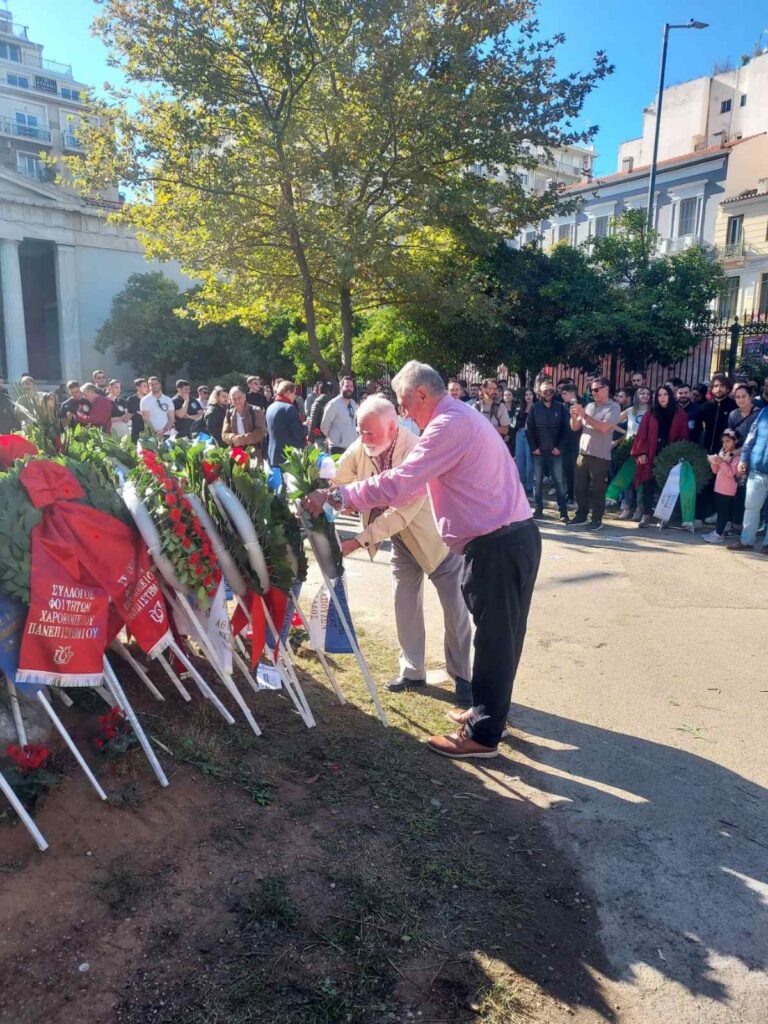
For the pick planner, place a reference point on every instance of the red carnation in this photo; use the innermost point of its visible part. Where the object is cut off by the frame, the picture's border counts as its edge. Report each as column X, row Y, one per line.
column 194, row 558
column 205, row 549
column 170, row 498
column 175, row 515
column 98, row 743
column 316, row 431
column 180, row 530
column 208, row 580
column 210, row 471
column 240, row 456
column 199, row 570
column 186, row 543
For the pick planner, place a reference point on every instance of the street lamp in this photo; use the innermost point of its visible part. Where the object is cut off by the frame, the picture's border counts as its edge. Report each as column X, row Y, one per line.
column 652, row 181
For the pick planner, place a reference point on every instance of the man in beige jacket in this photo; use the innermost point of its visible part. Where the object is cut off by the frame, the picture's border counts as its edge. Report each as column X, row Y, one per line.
column 416, row 550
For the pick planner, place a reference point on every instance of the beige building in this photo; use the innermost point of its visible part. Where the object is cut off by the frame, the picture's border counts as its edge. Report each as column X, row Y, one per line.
column 704, row 112
column 61, row 262
column 741, row 243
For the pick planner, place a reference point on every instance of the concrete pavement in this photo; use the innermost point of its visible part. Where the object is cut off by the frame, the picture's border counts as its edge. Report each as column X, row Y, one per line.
column 640, row 721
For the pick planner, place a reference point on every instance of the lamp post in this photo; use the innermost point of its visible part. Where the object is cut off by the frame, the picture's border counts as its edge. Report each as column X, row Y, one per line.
column 652, row 181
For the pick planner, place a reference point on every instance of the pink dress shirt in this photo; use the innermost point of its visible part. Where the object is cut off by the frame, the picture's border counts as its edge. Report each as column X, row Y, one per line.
column 464, row 466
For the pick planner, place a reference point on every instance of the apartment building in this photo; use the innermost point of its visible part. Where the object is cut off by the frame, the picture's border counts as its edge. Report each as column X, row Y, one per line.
column 741, row 244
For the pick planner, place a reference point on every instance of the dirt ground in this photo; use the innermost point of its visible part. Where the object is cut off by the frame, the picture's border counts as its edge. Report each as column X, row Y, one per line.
column 338, row 874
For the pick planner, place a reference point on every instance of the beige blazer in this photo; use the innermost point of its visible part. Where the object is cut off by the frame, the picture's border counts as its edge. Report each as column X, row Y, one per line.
column 414, row 523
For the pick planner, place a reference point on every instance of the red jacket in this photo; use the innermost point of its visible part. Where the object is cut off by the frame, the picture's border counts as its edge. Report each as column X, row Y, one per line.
column 99, row 415
column 647, row 440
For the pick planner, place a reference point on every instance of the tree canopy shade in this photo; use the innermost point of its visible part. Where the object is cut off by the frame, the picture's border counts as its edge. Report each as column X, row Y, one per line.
column 286, row 154
column 145, row 330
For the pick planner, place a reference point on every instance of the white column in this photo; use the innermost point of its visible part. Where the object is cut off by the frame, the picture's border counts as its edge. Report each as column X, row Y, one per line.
column 13, row 310
column 69, row 318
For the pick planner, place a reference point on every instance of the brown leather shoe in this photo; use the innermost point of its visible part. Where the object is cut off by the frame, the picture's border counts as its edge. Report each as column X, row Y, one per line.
column 462, row 717
column 736, row 545
column 460, row 746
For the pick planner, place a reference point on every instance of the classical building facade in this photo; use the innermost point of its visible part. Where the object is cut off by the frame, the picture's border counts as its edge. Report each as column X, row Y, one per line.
column 741, row 243
column 61, row 261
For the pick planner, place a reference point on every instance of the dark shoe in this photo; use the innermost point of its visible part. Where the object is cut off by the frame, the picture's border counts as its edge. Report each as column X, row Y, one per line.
column 564, row 519
column 538, row 513
column 595, row 525
column 736, row 545
column 460, row 746
column 578, row 521
column 463, row 692
column 401, row 683
column 645, row 522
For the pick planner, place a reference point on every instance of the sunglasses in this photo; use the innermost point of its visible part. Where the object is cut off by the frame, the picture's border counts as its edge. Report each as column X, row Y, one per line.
column 600, row 387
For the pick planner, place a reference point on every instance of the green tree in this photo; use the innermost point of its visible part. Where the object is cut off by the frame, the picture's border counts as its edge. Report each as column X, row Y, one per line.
column 148, row 329
column 286, row 154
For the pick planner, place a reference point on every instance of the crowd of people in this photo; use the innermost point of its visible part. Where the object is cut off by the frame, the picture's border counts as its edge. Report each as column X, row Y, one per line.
column 565, row 444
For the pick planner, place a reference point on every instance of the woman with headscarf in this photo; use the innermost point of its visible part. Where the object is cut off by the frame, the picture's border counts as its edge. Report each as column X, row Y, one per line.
column 664, row 424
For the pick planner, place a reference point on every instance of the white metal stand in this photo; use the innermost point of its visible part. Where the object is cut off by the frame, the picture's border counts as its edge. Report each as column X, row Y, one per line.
column 59, row 726
column 113, row 684
column 23, row 814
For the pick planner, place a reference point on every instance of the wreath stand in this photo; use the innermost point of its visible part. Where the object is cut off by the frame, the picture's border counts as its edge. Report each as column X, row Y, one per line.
column 23, row 814
column 236, row 516
column 362, row 663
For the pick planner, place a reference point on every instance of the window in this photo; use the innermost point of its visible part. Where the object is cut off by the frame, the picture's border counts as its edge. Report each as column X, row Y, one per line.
column 71, row 94
column 31, row 165
column 725, row 106
column 733, row 231
column 743, row 100
column 10, row 52
column 602, row 226
column 686, row 222
column 564, row 232
column 530, row 237
column 18, row 80
column 763, row 307
column 627, row 164
column 26, row 124
column 730, row 297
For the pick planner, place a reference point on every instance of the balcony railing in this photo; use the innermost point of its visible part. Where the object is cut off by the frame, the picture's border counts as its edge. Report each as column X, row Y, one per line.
column 56, row 68
column 732, row 250
column 7, row 26
column 24, row 131
column 71, row 141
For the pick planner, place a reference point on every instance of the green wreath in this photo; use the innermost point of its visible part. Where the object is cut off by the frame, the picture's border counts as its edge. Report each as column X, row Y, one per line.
column 678, row 451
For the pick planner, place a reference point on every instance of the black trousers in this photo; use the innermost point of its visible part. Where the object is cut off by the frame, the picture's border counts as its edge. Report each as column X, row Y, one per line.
column 497, row 583
column 724, row 507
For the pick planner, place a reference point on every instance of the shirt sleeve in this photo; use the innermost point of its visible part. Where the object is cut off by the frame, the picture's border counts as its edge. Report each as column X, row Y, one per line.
column 437, row 452
column 327, row 420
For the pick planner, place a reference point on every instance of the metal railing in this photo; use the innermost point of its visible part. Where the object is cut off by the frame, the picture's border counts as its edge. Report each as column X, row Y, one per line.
column 56, row 67
column 24, row 131
column 7, row 26
column 70, row 141
column 733, row 250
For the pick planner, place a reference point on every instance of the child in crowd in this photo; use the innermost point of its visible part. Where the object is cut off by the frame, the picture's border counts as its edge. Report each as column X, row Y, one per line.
column 726, row 483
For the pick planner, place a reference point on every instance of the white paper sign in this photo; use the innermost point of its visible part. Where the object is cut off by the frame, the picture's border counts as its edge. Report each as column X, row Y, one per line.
column 268, row 678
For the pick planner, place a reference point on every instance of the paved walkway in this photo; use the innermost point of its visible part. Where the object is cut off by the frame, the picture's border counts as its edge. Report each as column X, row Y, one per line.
column 641, row 723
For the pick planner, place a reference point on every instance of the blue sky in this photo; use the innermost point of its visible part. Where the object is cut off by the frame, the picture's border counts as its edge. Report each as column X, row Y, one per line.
column 630, row 34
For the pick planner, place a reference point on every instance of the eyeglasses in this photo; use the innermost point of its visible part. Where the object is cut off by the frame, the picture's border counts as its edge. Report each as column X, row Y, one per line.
column 599, row 387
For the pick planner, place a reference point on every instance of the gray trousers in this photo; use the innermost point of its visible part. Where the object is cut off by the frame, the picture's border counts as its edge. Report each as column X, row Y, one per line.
column 408, row 590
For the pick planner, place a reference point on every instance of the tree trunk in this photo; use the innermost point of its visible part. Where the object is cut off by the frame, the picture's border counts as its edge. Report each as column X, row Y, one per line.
column 345, row 305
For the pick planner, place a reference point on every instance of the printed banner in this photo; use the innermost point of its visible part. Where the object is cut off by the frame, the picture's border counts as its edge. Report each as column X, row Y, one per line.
column 326, row 632
column 214, row 622
column 665, row 506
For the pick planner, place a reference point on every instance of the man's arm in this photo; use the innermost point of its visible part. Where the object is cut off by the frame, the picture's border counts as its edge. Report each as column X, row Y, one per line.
column 530, row 426
column 749, row 444
column 171, row 419
column 296, row 428
column 598, row 425
column 435, row 454
column 503, row 418
column 327, row 421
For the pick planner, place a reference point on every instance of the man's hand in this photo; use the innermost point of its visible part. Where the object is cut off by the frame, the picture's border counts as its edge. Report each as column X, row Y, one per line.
column 577, row 410
column 555, row 452
column 741, row 469
column 348, row 546
column 642, row 459
column 536, row 451
column 313, row 503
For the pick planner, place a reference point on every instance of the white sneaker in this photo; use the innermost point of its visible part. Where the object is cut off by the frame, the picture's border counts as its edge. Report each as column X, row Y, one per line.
column 710, row 520
column 712, row 538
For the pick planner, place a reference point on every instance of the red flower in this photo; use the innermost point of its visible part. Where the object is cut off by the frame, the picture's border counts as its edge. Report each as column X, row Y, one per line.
column 180, row 529
column 186, row 543
column 28, row 758
column 98, row 743
column 199, row 570
column 194, row 558
column 240, row 456
column 210, row 471
column 316, row 432
column 175, row 515
column 170, row 498
column 208, row 581
column 205, row 549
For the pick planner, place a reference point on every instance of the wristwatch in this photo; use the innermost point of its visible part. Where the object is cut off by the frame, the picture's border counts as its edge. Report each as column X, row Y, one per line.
column 335, row 499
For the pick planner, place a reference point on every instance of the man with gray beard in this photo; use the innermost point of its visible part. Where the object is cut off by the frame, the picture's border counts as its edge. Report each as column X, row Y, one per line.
column 417, row 550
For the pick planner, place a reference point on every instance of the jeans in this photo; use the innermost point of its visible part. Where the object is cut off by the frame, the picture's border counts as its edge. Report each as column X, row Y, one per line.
column 554, row 465
column 499, row 574
column 569, row 470
column 524, row 459
column 591, row 471
column 757, row 491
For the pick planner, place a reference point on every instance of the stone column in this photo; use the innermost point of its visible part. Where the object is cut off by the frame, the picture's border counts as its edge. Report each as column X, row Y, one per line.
column 13, row 311
column 69, row 318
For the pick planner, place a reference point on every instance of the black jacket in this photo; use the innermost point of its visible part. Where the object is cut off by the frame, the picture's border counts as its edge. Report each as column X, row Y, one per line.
column 548, row 427
column 714, row 417
column 285, row 428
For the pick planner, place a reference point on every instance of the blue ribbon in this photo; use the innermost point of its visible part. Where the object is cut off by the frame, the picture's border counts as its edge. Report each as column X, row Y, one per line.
column 13, row 617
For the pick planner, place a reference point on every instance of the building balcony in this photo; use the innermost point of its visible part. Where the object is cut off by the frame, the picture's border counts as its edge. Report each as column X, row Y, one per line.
column 8, row 28
column 678, row 244
column 732, row 252
column 24, row 131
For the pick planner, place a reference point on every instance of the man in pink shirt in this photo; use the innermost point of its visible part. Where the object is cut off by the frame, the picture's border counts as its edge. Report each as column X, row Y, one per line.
column 492, row 529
